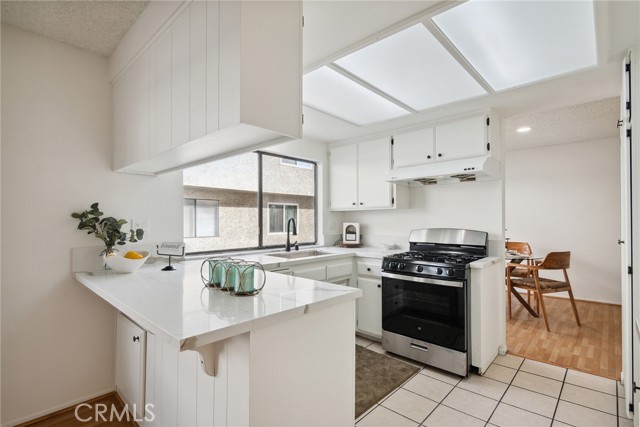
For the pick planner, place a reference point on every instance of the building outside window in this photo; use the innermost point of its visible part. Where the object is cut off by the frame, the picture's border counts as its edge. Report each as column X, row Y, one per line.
column 255, row 194
column 201, row 218
column 279, row 215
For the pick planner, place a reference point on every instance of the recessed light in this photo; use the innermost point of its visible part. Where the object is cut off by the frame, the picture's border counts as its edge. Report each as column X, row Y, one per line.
column 523, row 129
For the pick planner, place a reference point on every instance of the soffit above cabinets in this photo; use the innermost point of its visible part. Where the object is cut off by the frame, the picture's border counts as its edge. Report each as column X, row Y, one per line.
column 475, row 48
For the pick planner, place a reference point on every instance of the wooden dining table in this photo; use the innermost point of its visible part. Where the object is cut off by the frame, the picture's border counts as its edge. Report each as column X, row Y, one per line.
column 515, row 259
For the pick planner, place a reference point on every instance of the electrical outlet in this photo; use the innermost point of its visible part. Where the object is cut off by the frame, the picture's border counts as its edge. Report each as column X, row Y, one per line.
column 143, row 224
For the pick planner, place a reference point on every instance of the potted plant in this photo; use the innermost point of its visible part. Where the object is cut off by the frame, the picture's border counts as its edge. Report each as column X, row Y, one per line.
column 106, row 229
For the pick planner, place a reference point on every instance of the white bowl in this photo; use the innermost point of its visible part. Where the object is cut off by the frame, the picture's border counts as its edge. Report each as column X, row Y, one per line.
column 120, row 264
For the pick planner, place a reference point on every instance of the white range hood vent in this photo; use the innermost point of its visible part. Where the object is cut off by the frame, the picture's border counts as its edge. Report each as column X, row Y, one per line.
column 481, row 168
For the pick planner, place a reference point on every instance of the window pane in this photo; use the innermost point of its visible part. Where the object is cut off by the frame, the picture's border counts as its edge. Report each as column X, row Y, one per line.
column 189, row 218
column 206, row 218
column 291, row 211
column 276, row 219
column 233, row 182
column 293, row 187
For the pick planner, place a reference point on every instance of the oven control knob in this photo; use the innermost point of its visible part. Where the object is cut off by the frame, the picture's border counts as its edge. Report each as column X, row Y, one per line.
column 449, row 272
column 392, row 265
column 401, row 266
column 419, row 269
column 439, row 270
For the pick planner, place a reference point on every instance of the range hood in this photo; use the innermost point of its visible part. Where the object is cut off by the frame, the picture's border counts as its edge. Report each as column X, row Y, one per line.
column 480, row 168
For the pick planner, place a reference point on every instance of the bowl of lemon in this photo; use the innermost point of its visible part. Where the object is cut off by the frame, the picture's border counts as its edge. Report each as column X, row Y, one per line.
column 127, row 263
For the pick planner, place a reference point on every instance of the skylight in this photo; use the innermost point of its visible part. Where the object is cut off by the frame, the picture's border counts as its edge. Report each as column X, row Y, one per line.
column 330, row 92
column 414, row 68
column 512, row 43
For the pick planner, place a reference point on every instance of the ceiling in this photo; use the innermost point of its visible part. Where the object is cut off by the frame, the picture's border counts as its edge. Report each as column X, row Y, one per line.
column 334, row 29
column 584, row 122
column 93, row 25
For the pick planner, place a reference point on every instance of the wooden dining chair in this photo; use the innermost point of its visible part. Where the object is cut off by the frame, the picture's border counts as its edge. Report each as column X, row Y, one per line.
column 525, row 249
column 540, row 285
column 522, row 248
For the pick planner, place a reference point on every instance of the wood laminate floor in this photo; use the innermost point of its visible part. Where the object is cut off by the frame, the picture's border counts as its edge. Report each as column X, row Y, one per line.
column 67, row 417
column 595, row 348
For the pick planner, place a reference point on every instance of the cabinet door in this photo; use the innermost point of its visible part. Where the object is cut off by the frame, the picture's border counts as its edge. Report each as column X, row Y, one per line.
column 462, row 138
column 161, row 93
column 413, row 148
column 131, row 114
column 343, row 177
column 374, row 162
column 180, row 66
column 370, row 306
column 198, row 70
column 130, row 363
column 213, row 28
column 308, row 272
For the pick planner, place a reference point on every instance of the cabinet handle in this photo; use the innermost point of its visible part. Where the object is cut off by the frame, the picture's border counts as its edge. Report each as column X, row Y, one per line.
column 354, row 203
column 439, row 154
column 136, row 338
column 429, row 156
column 368, row 269
column 379, row 285
column 361, row 203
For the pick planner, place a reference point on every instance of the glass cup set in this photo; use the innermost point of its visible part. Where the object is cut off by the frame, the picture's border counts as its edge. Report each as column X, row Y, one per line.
column 236, row 276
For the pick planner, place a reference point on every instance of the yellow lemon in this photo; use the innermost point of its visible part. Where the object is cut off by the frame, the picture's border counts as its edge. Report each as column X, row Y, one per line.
column 133, row 255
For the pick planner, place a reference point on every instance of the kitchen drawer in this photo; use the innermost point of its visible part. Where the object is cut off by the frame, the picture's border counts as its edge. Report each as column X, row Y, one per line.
column 370, row 267
column 342, row 269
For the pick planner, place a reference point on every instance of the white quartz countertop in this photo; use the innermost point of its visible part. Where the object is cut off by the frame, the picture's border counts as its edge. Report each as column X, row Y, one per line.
column 177, row 307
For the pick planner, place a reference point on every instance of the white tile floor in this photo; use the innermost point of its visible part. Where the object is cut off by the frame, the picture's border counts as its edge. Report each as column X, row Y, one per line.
column 513, row 392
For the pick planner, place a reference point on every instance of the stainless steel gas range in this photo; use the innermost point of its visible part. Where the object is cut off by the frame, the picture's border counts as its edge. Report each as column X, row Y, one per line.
column 425, row 297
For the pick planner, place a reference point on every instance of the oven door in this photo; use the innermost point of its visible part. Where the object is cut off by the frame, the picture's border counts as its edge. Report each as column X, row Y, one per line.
column 429, row 310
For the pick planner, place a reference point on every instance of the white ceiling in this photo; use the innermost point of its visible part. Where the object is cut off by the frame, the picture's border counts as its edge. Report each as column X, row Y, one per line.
column 97, row 26
column 336, row 28
column 584, row 122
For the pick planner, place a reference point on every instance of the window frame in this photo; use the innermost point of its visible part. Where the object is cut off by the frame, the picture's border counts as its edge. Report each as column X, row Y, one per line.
column 284, row 216
column 195, row 218
column 260, row 201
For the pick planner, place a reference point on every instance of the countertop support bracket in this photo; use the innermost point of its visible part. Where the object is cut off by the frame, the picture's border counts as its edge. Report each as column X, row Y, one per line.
column 208, row 358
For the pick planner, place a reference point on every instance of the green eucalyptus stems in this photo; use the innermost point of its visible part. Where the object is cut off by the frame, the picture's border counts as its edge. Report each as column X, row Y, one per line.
column 106, row 229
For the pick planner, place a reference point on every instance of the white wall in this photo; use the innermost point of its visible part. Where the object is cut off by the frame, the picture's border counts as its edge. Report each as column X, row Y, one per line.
column 470, row 205
column 567, row 197
column 57, row 336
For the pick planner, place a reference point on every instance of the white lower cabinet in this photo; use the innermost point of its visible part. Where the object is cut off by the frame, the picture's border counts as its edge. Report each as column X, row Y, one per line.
column 131, row 341
column 314, row 272
column 369, row 307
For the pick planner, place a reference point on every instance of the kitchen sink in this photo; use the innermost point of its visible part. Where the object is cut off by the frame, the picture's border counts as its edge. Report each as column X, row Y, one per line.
column 299, row 254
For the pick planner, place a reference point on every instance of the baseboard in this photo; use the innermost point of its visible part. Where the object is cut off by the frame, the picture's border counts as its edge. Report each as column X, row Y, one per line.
column 58, row 408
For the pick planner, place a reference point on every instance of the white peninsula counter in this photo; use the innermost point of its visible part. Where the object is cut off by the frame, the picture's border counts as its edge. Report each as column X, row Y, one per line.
column 283, row 357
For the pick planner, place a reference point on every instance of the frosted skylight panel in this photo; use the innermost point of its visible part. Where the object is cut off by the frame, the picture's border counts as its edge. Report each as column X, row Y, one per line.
column 512, row 43
column 414, row 68
column 330, row 92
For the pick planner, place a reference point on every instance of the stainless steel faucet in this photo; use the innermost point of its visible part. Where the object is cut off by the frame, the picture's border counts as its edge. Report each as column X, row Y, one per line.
column 295, row 233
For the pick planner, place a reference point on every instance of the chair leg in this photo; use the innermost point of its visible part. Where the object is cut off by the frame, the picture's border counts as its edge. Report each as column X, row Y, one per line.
column 544, row 312
column 509, row 295
column 573, row 305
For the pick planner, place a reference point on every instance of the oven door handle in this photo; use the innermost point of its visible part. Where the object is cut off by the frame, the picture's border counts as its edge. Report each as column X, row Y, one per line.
column 451, row 283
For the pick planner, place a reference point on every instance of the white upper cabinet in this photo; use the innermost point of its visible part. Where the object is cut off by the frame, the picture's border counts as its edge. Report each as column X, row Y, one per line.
column 343, row 177
column 180, row 73
column 218, row 77
column 131, row 114
column 413, row 148
column 462, row 138
column 458, row 139
column 374, row 162
column 357, row 176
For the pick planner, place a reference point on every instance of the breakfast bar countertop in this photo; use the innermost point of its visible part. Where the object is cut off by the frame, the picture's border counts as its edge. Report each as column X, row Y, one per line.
column 177, row 307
